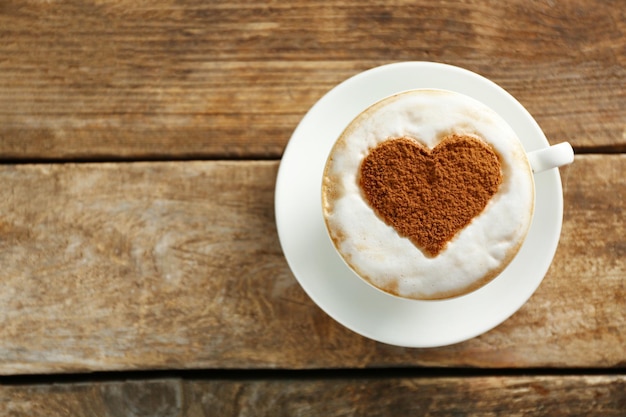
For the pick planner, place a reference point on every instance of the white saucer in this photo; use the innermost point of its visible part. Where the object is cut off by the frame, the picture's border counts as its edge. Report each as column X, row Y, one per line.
column 343, row 295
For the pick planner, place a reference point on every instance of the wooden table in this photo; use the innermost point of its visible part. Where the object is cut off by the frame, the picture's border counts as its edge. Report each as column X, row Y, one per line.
column 141, row 268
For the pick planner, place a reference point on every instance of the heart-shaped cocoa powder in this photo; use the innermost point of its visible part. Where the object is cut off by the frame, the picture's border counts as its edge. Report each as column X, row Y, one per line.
column 428, row 196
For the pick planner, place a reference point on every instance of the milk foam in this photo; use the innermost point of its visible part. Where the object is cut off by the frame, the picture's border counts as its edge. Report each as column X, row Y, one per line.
column 393, row 263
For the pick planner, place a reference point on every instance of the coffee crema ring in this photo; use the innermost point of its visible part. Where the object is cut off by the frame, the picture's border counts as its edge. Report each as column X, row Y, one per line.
column 427, row 194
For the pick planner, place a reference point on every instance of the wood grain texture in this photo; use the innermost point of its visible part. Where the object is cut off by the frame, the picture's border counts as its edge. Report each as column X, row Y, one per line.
column 178, row 265
column 192, row 79
column 477, row 396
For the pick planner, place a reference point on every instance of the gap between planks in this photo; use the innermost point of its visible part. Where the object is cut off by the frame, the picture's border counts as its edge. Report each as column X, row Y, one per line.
column 598, row 150
column 304, row 374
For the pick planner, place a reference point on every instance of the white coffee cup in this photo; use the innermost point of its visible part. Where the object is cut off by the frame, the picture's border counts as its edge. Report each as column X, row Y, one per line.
column 480, row 250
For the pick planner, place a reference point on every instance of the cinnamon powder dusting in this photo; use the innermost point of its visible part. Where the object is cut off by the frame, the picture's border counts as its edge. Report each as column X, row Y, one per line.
column 426, row 195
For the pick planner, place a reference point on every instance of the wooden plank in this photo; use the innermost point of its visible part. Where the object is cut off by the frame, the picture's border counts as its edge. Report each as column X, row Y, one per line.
column 472, row 396
column 170, row 79
column 178, row 265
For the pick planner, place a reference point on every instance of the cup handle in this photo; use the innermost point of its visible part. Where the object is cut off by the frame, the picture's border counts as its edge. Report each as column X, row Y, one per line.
column 551, row 157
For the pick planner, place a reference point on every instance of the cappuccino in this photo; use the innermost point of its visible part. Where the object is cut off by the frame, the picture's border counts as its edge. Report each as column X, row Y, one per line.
column 428, row 194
